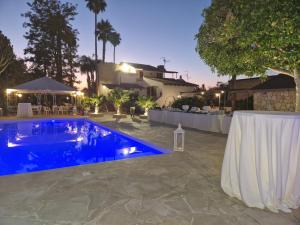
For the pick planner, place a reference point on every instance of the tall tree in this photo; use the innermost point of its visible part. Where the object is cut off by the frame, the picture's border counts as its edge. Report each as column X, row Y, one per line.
column 52, row 40
column 96, row 6
column 88, row 67
column 104, row 30
column 115, row 40
column 6, row 52
column 241, row 37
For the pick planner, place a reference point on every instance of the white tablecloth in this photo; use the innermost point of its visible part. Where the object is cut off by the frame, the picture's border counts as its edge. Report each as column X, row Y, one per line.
column 24, row 110
column 262, row 160
column 205, row 122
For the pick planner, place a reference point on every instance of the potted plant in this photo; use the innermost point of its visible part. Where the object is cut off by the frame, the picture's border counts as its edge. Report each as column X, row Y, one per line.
column 95, row 101
column 146, row 103
column 85, row 105
column 118, row 97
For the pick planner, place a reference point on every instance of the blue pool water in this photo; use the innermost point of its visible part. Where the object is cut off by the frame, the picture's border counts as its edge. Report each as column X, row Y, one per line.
column 35, row 145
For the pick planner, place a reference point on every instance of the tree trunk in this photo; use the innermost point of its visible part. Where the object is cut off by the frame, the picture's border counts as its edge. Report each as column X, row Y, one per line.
column 297, row 82
column 93, row 82
column 96, row 53
column 96, row 109
column 114, row 54
column 146, row 112
column 233, row 95
column 59, row 76
column 96, row 57
column 88, row 81
column 103, row 51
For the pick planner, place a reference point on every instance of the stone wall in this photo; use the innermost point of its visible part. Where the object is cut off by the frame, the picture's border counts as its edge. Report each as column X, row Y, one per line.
column 275, row 100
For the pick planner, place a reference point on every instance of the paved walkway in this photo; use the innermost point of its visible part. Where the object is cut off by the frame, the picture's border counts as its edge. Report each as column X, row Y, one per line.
column 174, row 189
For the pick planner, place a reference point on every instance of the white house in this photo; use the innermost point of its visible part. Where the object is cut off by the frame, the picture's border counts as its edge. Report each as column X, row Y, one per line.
column 145, row 79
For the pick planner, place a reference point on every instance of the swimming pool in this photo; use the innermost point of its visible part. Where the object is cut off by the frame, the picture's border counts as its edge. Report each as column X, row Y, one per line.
column 36, row 145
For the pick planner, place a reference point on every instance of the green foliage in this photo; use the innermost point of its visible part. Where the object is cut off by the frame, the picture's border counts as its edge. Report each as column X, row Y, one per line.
column 146, row 102
column 119, row 97
column 191, row 101
column 249, row 37
column 6, row 52
column 85, row 102
column 95, row 101
column 96, row 6
column 115, row 39
column 52, row 41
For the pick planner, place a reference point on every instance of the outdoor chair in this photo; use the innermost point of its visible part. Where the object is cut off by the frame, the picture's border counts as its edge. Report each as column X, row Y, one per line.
column 55, row 109
column 46, row 110
column 61, row 109
column 37, row 109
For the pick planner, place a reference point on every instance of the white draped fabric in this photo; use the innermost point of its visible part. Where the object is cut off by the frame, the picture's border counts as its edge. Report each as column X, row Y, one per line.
column 205, row 122
column 24, row 110
column 262, row 160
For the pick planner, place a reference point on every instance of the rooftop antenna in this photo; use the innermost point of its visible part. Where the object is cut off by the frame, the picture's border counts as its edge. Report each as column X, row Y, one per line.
column 165, row 60
column 187, row 74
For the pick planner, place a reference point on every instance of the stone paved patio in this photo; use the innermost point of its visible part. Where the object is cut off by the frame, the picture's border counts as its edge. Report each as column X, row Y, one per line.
column 174, row 189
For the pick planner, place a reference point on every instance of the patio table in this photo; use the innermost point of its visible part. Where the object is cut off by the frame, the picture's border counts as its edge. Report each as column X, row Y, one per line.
column 261, row 164
column 24, row 110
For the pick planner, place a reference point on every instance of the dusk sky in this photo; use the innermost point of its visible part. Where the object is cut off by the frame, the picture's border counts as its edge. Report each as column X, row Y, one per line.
column 149, row 30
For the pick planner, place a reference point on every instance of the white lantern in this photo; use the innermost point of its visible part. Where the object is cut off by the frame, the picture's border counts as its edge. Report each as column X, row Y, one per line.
column 179, row 139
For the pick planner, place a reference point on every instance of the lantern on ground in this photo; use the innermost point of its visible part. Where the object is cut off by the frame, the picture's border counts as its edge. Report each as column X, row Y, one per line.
column 179, row 139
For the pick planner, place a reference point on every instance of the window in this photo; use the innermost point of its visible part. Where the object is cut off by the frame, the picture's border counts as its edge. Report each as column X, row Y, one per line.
column 152, row 91
column 159, row 75
column 141, row 76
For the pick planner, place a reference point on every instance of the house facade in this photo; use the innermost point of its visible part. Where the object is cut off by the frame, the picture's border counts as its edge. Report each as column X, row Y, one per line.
column 276, row 93
column 145, row 79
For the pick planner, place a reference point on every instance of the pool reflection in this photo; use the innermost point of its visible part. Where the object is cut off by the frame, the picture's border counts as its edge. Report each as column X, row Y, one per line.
column 27, row 146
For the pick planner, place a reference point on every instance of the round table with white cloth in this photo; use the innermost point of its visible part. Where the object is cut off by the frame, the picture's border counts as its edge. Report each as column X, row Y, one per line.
column 24, row 110
column 261, row 164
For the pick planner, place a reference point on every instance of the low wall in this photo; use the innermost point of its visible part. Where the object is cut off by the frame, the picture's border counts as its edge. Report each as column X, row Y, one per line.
column 279, row 100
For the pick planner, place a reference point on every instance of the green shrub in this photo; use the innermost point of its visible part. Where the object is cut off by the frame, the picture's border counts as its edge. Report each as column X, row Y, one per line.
column 244, row 104
column 146, row 103
column 119, row 97
column 191, row 101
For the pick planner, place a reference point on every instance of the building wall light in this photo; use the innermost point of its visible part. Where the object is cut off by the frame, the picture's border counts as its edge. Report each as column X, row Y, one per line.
column 9, row 91
column 125, row 68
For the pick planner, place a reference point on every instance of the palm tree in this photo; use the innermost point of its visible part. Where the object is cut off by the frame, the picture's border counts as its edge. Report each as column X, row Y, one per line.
column 118, row 97
column 115, row 40
column 104, row 30
column 146, row 103
column 87, row 66
column 96, row 6
column 95, row 101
